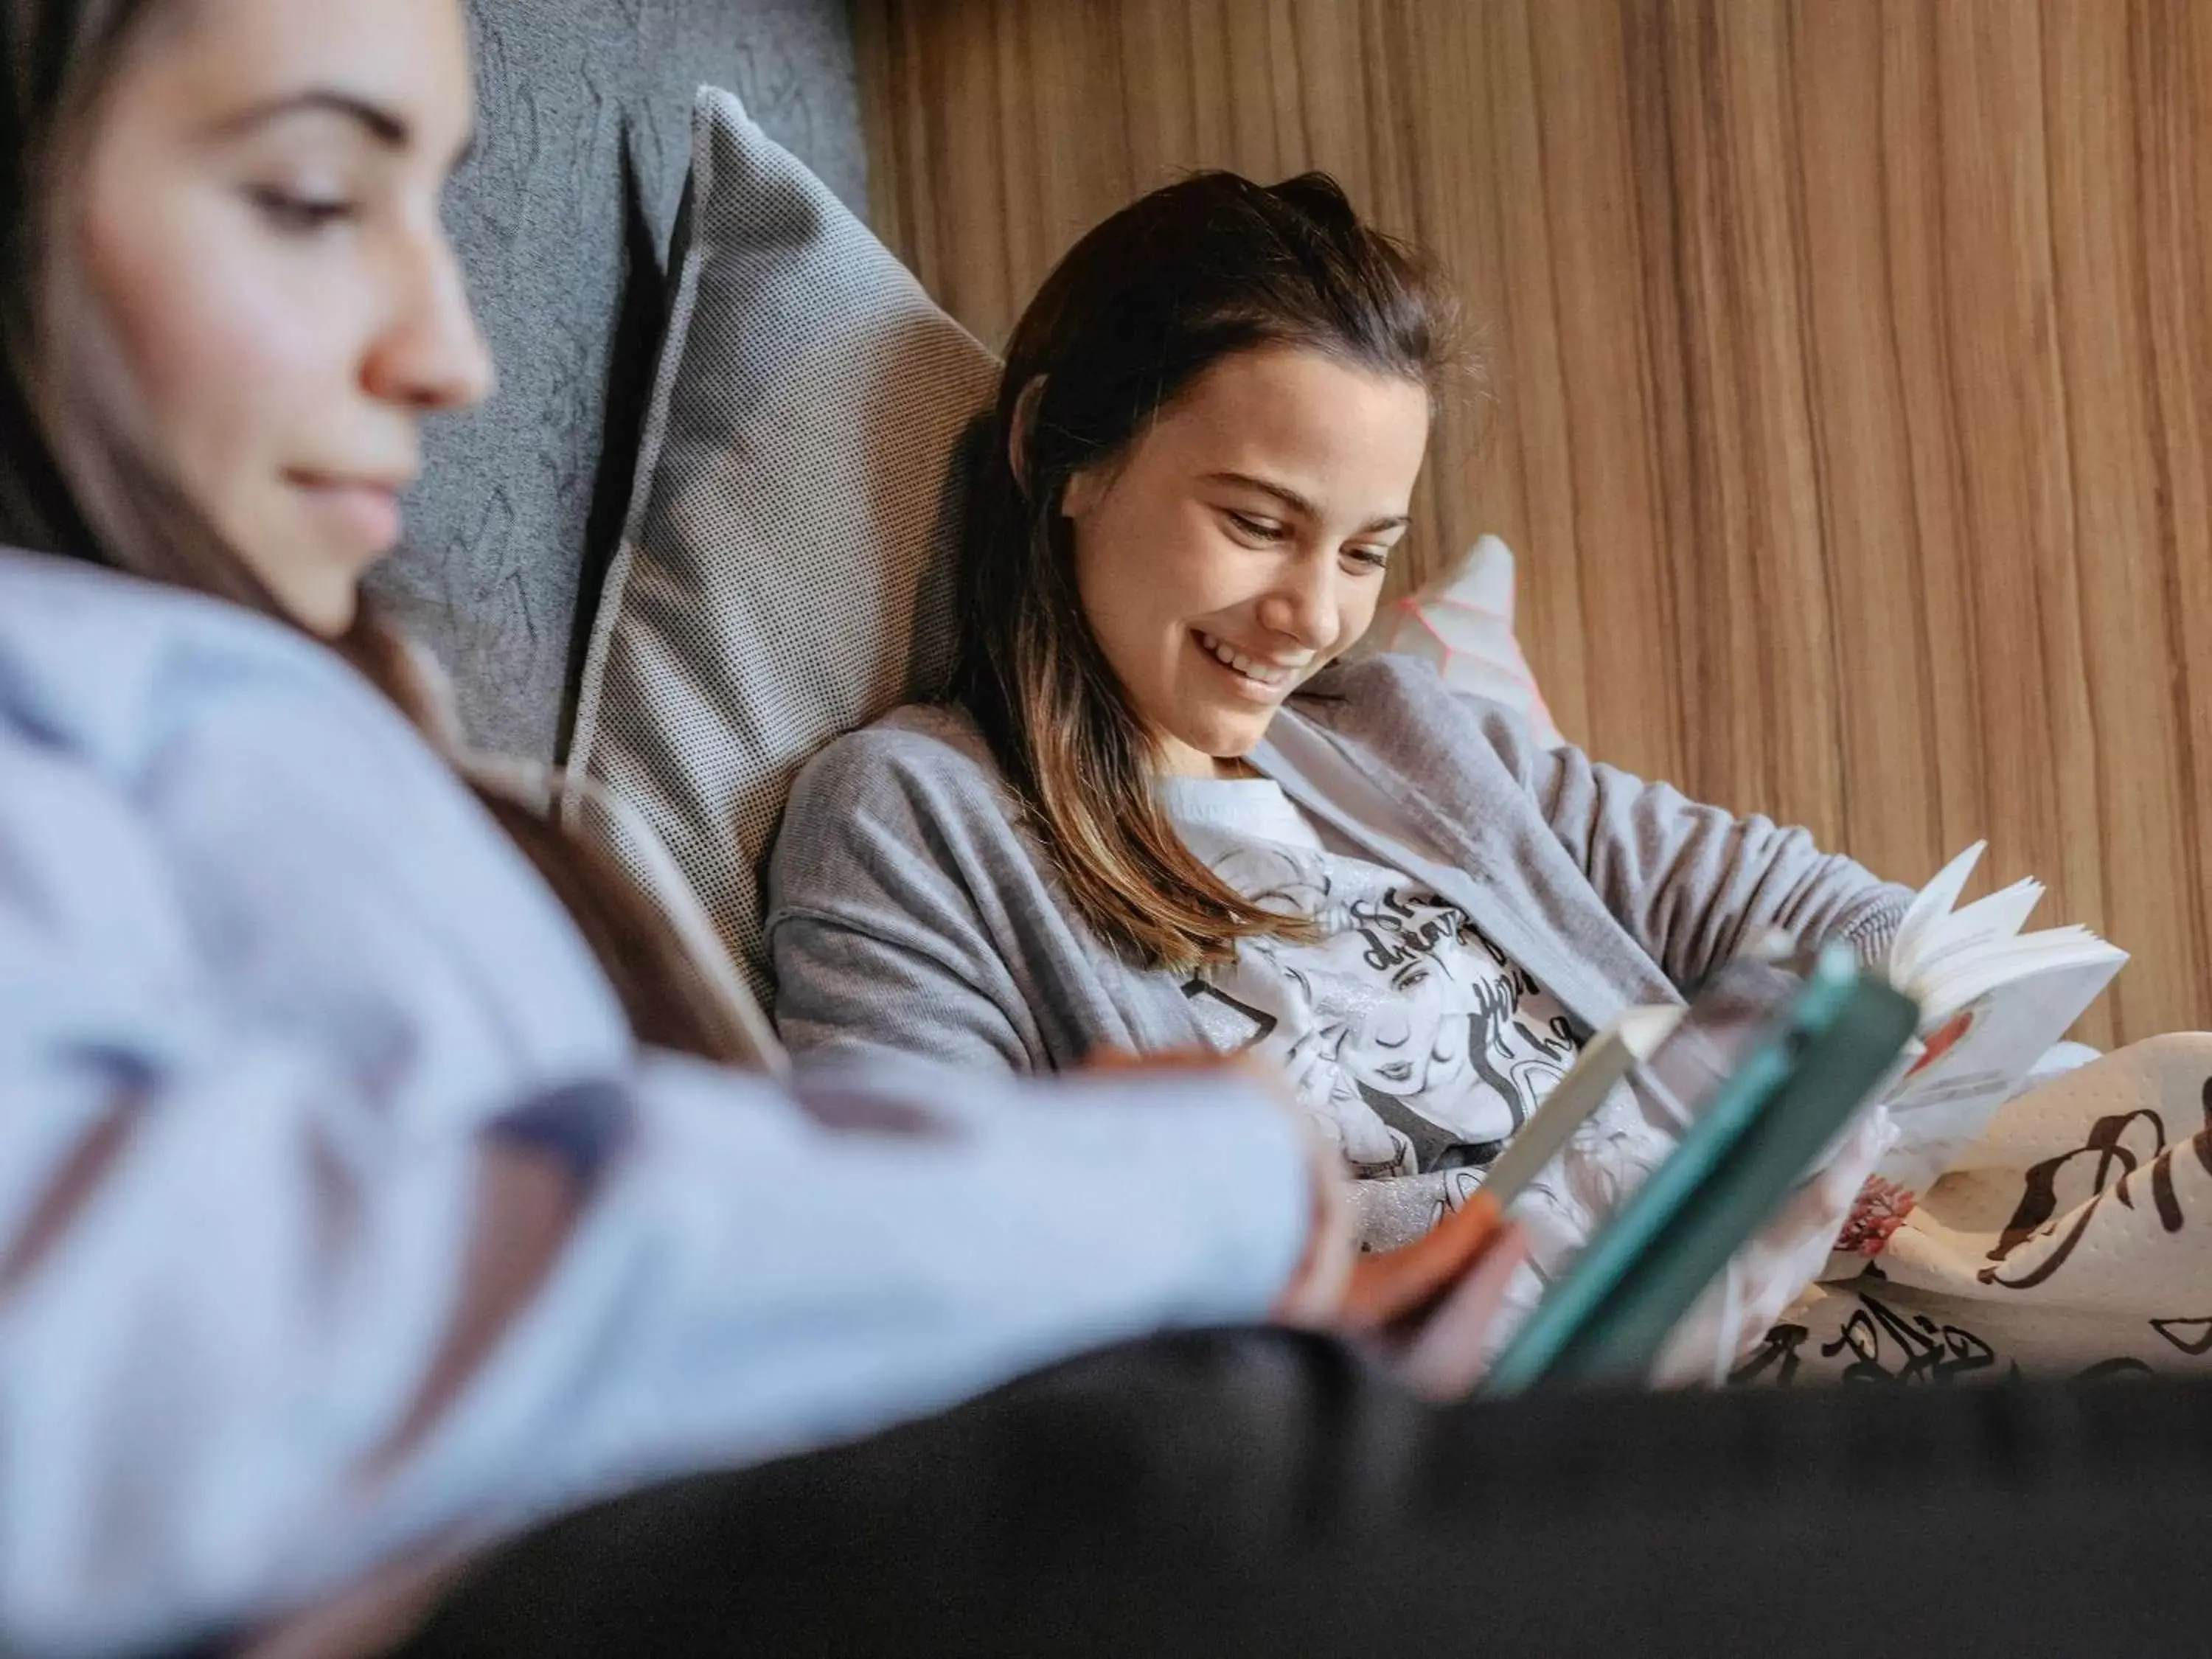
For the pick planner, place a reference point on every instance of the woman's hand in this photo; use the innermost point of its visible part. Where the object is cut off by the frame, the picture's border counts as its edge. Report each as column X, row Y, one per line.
column 1390, row 1288
column 1429, row 1306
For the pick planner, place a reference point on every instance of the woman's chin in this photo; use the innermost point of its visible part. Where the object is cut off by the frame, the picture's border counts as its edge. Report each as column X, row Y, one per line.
column 1229, row 734
column 325, row 602
column 1225, row 752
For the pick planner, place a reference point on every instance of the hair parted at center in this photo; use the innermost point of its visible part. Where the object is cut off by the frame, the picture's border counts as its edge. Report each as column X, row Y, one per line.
column 1202, row 268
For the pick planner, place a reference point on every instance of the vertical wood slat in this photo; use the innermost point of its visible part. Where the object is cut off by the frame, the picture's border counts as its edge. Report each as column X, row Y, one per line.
column 1852, row 364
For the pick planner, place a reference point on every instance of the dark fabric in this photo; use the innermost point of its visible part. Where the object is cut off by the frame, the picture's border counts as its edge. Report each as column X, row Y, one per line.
column 1264, row 1494
column 563, row 217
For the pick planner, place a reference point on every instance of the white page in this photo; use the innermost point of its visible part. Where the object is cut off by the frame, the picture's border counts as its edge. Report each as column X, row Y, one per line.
column 1933, row 902
column 1987, row 923
column 1969, row 980
column 2003, row 1031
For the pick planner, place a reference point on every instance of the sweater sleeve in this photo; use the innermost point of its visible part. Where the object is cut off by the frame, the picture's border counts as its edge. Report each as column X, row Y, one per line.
column 880, row 892
column 265, row 1323
column 1696, row 884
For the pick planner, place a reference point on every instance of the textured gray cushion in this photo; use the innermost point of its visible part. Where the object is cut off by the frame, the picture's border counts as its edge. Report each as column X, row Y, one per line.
column 785, row 572
column 563, row 217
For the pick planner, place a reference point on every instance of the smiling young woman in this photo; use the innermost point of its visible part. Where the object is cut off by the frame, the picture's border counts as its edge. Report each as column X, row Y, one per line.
column 1159, row 809
column 1209, row 426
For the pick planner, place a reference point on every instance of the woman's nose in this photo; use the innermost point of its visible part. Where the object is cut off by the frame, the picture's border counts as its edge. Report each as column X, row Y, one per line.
column 1301, row 605
column 432, row 356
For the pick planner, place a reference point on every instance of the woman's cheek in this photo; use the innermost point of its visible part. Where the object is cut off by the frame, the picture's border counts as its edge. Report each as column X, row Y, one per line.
column 222, row 350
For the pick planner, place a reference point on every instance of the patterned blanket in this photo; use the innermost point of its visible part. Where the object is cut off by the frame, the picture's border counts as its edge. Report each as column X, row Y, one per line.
column 2074, row 1237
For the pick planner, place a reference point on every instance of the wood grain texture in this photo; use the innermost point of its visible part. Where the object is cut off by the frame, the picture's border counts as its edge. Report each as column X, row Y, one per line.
column 1853, row 369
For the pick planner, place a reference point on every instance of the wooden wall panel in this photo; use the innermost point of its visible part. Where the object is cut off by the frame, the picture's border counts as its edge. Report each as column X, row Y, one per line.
column 1851, row 366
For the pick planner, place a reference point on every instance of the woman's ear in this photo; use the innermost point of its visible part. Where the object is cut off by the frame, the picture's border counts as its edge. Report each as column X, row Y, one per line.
column 1017, row 436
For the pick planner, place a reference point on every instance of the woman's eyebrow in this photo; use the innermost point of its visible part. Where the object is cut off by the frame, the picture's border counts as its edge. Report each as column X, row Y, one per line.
column 1283, row 493
column 387, row 127
column 1298, row 503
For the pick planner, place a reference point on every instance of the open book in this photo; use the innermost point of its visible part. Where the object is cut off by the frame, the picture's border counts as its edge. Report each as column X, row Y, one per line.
column 1993, row 1001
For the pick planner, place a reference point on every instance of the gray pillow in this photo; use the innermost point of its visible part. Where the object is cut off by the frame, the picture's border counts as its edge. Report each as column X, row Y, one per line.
column 785, row 572
column 562, row 216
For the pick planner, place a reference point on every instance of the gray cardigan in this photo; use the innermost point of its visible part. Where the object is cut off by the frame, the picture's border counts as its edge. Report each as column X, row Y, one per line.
column 908, row 909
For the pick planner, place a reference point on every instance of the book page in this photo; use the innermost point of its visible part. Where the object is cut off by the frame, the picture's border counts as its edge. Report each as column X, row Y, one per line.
column 1988, row 925
column 1977, row 1058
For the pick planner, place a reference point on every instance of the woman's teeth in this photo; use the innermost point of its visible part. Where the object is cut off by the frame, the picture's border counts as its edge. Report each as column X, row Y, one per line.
column 1265, row 673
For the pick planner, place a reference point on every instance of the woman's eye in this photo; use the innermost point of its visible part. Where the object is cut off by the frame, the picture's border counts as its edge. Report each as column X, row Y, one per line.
column 1260, row 529
column 299, row 213
column 1374, row 558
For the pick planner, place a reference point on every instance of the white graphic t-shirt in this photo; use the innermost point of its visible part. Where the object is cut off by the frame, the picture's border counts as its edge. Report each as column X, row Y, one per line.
column 1416, row 1043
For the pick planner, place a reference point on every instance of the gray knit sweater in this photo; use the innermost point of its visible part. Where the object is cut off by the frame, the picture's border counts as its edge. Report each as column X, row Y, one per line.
column 909, row 910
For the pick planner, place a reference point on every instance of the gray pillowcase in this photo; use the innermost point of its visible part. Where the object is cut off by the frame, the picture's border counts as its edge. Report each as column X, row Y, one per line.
column 785, row 572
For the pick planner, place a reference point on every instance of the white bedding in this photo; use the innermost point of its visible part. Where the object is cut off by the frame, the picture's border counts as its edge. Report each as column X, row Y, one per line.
column 2075, row 1237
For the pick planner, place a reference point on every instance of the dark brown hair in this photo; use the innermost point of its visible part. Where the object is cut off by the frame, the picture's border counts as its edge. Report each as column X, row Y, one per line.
column 1208, row 266
column 75, row 480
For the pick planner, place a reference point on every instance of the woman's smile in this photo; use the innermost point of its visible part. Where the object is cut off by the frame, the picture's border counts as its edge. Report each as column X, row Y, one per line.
column 1253, row 678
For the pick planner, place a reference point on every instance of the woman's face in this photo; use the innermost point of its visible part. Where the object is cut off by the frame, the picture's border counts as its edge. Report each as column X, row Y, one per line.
column 1239, row 544
column 1416, row 1038
column 260, row 228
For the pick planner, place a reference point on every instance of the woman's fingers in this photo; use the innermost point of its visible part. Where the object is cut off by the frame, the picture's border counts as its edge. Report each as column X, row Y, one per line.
column 1393, row 1285
column 1314, row 1299
column 1447, row 1354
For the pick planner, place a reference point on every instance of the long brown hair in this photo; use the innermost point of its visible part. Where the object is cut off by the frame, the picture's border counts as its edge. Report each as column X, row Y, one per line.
column 1202, row 269
column 75, row 479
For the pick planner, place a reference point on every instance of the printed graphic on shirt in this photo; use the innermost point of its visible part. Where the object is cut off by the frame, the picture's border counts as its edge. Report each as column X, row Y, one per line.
column 1417, row 1043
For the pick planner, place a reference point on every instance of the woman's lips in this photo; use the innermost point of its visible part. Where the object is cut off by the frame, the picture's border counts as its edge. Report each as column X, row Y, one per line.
column 368, row 514
column 1261, row 682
